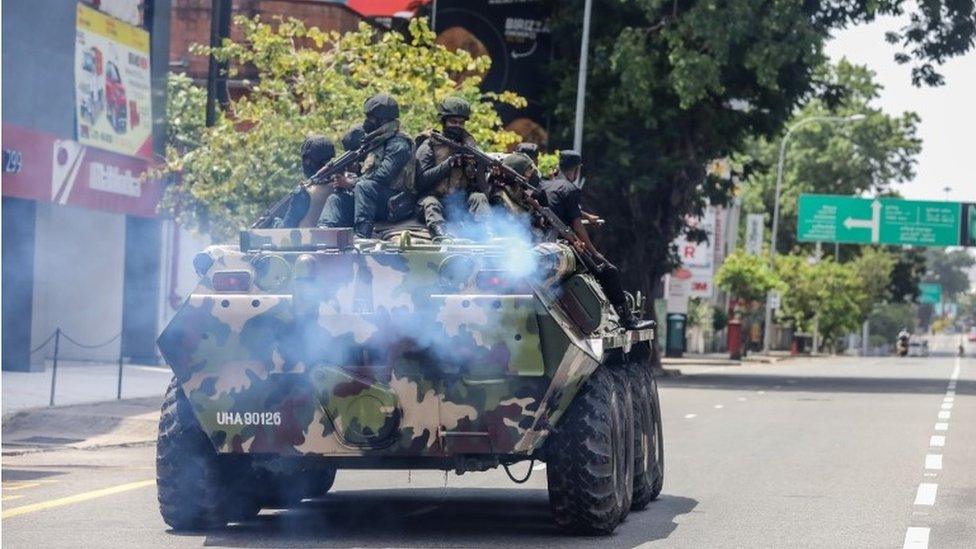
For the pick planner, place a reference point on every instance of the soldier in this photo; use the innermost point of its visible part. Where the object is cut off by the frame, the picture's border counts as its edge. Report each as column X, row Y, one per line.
column 449, row 179
column 387, row 170
column 340, row 207
column 563, row 193
column 316, row 151
column 530, row 150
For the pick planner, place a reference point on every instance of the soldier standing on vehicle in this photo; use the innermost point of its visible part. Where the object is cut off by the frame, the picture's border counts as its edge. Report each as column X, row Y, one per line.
column 450, row 180
column 564, row 192
column 340, row 206
column 387, row 170
column 530, row 150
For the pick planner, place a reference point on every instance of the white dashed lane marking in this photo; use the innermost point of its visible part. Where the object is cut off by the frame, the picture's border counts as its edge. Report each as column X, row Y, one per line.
column 945, row 414
column 937, row 440
column 691, row 416
column 933, row 461
column 947, row 405
column 941, row 426
column 718, row 406
column 926, row 493
column 917, row 538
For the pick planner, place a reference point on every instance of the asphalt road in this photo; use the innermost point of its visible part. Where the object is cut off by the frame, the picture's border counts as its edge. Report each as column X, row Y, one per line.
column 828, row 452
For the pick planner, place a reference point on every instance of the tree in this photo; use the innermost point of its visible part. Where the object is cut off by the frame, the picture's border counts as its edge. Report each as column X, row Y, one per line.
column 310, row 81
column 873, row 268
column 863, row 157
column 673, row 85
column 746, row 276
column 827, row 294
column 905, row 276
column 950, row 269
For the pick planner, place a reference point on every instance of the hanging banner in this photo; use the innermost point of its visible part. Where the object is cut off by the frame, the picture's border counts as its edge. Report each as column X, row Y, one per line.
column 754, row 233
column 699, row 257
column 113, row 108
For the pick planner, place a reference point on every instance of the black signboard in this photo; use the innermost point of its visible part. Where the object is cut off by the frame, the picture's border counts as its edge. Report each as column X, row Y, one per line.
column 515, row 34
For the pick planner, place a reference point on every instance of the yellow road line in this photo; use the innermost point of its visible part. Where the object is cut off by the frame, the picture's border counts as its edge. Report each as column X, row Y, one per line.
column 77, row 498
column 8, row 498
column 20, row 485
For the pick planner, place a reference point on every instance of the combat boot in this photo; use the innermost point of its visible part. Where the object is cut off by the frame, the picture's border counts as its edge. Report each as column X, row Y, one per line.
column 364, row 229
column 631, row 322
column 437, row 232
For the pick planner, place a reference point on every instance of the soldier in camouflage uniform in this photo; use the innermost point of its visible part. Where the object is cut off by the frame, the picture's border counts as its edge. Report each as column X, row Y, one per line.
column 447, row 179
column 564, row 193
column 387, row 170
column 340, row 206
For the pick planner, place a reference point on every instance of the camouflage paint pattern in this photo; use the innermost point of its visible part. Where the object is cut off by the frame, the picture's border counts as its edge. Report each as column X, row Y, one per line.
column 394, row 348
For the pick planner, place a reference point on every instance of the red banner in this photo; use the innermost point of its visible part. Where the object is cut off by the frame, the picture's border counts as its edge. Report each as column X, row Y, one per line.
column 39, row 166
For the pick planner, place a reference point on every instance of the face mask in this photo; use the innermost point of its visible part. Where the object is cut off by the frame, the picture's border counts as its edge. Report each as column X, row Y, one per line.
column 370, row 125
column 454, row 133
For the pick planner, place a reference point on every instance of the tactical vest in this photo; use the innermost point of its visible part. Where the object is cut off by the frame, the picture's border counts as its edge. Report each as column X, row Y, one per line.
column 455, row 180
column 405, row 180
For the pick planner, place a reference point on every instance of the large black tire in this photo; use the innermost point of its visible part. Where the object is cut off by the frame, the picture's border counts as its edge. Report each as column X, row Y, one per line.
column 625, row 394
column 586, row 459
column 648, row 436
column 196, row 489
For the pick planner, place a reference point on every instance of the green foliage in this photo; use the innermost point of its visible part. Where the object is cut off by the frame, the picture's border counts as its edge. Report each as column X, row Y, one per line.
column 185, row 113
column 873, row 268
column 827, row 293
column 720, row 318
column 746, row 276
column 673, row 85
column 889, row 319
column 905, row 276
column 848, row 158
column 310, row 81
column 950, row 269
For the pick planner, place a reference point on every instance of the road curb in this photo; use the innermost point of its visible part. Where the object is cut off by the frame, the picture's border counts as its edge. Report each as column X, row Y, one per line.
column 82, row 426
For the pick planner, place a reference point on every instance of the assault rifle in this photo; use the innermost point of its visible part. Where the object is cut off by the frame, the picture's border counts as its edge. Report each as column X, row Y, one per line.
column 545, row 212
column 288, row 208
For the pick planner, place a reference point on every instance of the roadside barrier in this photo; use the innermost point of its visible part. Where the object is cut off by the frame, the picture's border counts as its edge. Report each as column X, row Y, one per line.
column 57, row 336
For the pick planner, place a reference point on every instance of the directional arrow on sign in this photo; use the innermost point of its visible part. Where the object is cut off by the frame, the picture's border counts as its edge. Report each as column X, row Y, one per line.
column 874, row 223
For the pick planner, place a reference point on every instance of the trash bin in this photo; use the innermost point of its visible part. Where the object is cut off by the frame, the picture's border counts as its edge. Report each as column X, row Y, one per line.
column 802, row 344
column 676, row 335
column 735, row 339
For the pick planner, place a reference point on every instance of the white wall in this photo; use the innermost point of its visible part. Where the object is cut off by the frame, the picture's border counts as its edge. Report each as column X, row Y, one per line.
column 79, row 266
column 180, row 249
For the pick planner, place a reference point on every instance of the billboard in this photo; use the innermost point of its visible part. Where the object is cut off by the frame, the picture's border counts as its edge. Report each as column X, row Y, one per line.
column 113, row 108
column 699, row 257
column 515, row 34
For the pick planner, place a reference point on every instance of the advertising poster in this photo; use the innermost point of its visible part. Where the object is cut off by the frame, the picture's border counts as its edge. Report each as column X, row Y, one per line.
column 112, row 85
column 698, row 257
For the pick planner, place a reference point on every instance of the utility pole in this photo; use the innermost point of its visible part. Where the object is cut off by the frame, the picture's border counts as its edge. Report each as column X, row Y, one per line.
column 581, row 78
column 220, row 14
column 768, row 325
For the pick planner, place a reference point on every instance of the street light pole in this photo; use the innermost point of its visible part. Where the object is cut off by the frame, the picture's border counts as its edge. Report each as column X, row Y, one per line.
column 581, row 78
column 768, row 332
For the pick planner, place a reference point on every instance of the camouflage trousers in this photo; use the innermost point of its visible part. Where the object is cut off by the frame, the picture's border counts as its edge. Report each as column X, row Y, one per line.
column 457, row 206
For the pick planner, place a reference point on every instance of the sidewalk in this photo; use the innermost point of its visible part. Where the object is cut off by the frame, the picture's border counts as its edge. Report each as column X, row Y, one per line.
column 722, row 359
column 81, row 382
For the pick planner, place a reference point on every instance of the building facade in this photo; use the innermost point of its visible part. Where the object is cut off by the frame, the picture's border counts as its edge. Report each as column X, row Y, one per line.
column 83, row 114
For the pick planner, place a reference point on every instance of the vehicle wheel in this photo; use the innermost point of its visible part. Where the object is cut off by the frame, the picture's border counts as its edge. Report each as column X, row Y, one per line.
column 625, row 395
column 195, row 487
column 290, row 488
column 586, row 459
column 648, row 436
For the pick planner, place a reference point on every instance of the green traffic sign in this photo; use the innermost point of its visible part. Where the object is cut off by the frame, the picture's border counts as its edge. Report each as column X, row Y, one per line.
column 848, row 219
column 930, row 292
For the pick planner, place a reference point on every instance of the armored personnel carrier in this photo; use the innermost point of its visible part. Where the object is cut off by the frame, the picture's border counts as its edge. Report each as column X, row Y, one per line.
column 305, row 351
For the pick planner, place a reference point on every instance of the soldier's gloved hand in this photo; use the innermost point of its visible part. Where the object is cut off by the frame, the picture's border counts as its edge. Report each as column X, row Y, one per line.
column 340, row 181
column 456, row 160
column 470, row 170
